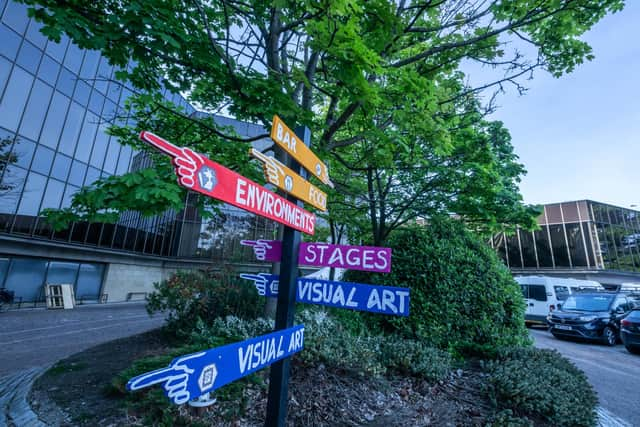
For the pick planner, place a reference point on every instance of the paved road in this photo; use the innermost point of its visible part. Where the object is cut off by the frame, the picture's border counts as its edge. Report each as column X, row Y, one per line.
column 613, row 372
column 32, row 338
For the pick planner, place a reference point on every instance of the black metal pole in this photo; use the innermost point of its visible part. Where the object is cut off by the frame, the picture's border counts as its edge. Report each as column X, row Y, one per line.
column 285, row 310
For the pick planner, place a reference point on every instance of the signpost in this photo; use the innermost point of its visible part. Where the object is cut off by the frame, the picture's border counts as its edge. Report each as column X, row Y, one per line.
column 198, row 173
column 291, row 143
column 389, row 300
column 189, row 377
column 365, row 258
column 287, row 180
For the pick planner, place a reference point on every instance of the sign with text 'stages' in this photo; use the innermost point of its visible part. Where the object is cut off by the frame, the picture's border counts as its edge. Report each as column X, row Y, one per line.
column 354, row 296
column 365, row 258
column 198, row 173
column 190, row 376
column 289, row 142
column 287, row 180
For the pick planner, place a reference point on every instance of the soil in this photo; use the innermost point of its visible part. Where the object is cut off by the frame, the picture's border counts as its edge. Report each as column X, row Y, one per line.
column 74, row 393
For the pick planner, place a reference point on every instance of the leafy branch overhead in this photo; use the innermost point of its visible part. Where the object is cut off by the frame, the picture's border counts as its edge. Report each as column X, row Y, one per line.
column 375, row 80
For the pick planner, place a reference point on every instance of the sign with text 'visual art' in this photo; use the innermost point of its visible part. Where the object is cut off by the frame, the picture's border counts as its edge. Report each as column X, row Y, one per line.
column 190, row 376
column 389, row 300
column 198, row 173
column 350, row 257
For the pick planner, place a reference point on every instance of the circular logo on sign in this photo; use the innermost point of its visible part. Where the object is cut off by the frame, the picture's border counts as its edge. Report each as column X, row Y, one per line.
column 318, row 169
column 288, row 183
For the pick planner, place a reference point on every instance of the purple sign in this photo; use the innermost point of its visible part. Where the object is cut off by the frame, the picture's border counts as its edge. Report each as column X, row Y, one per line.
column 366, row 258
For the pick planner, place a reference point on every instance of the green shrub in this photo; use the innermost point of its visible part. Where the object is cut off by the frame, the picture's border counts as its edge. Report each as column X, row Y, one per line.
column 541, row 384
column 463, row 298
column 188, row 296
column 327, row 341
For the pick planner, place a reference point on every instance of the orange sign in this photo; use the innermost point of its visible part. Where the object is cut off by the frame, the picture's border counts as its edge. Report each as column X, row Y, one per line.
column 285, row 179
column 287, row 139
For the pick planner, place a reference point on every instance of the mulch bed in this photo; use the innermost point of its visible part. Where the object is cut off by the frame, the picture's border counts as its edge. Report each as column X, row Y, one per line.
column 73, row 393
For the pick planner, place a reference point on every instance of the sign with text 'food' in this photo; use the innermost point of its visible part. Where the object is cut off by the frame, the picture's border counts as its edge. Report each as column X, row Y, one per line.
column 198, row 173
column 287, row 180
column 365, row 258
column 354, row 296
column 190, row 376
column 289, row 142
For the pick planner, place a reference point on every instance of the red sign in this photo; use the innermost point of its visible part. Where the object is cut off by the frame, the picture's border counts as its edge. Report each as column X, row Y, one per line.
column 198, row 173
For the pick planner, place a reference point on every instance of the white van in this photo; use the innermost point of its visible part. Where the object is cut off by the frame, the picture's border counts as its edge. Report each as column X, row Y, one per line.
column 542, row 294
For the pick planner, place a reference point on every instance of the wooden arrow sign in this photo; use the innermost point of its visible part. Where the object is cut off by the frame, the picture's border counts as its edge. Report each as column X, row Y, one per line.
column 198, row 173
column 289, row 142
column 287, row 180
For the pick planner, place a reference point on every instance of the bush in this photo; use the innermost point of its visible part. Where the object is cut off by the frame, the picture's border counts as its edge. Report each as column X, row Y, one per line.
column 327, row 341
column 188, row 296
column 463, row 298
column 541, row 384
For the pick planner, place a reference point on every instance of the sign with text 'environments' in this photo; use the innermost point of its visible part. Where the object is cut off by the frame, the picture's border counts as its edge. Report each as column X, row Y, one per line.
column 198, row 173
column 350, row 257
column 190, row 376
column 354, row 296
column 289, row 142
column 287, row 180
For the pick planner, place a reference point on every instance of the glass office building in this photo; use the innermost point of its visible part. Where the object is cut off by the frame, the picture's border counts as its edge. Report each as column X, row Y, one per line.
column 56, row 101
column 577, row 236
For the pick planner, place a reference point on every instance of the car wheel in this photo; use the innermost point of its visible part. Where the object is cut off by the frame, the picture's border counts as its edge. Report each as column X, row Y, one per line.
column 631, row 349
column 609, row 336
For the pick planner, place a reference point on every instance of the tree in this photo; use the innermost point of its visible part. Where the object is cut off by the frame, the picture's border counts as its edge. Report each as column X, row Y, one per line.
column 328, row 65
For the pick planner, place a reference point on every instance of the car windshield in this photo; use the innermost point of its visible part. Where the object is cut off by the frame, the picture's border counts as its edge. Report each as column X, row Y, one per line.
column 588, row 302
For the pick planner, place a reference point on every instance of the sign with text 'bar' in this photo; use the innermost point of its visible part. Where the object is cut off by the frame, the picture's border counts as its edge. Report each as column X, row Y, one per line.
column 198, row 173
column 289, row 142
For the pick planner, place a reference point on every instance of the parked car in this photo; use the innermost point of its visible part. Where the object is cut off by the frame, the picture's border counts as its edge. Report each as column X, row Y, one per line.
column 592, row 316
column 630, row 331
column 543, row 294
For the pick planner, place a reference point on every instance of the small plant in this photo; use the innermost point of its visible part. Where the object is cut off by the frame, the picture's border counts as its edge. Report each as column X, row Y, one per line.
column 541, row 384
column 191, row 296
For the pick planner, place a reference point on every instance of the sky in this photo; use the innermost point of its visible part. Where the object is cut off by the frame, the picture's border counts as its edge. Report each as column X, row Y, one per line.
column 579, row 136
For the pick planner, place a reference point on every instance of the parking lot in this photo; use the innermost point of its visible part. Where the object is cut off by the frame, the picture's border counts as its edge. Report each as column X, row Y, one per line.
column 613, row 372
column 37, row 337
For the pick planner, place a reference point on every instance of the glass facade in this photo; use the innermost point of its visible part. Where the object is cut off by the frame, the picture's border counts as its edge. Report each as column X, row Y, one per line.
column 576, row 235
column 56, row 101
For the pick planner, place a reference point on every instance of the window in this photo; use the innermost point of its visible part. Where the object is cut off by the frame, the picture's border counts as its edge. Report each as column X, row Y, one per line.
column 90, row 64
column 562, row 292
column 104, row 74
column 53, row 194
column 559, row 245
column 25, row 278
column 82, row 93
column 12, row 183
column 89, row 281
column 49, row 70
column 96, row 102
column 112, row 156
column 92, row 175
column 57, row 50
column 77, row 173
column 29, row 57
column 66, row 82
column 513, row 250
column 35, row 36
column 61, row 166
column 15, row 98
column 55, row 120
column 71, row 130
column 10, row 43
column 36, row 110
column 4, row 266
column 43, row 160
column 68, row 195
column 73, row 58
column 576, row 245
column 87, row 137
column 62, row 273
column 5, row 69
column 99, row 147
column 528, row 250
column 23, row 151
column 15, row 16
column 537, row 292
column 543, row 247
column 33, row 190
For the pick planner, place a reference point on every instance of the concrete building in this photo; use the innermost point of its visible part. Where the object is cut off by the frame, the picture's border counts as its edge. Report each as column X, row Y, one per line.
column 580, row 239
column 56, row 101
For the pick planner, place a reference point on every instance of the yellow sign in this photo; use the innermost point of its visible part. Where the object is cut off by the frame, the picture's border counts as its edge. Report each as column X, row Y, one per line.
column 287, row 139
column 286, row 179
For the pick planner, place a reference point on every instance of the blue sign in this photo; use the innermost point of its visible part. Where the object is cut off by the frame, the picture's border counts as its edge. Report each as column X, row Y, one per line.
column 354, row 296
column 190, row 376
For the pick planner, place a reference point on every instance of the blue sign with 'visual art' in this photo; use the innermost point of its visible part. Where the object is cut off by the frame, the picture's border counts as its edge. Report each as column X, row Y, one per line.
column 191, row 376
column 355, row 296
